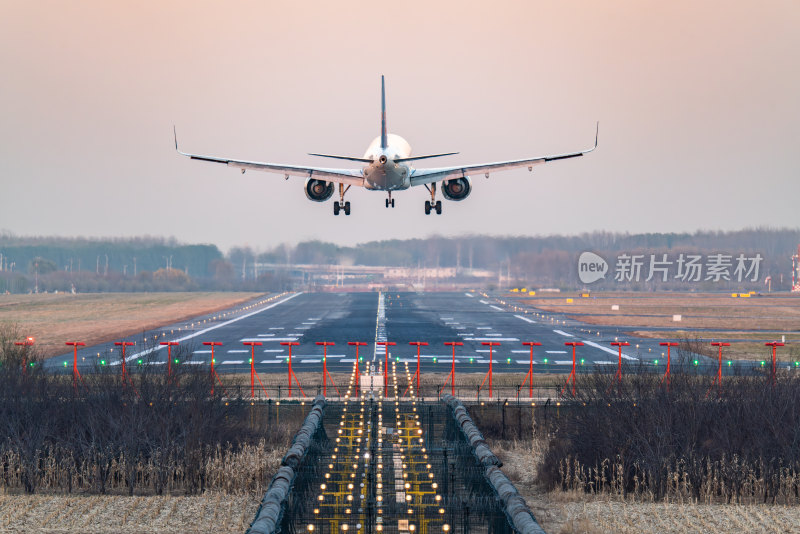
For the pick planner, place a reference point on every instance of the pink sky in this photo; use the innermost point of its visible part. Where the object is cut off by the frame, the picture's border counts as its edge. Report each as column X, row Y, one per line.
column 697, row 102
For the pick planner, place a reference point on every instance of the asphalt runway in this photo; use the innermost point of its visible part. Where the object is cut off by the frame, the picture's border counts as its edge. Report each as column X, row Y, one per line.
column 435, row 318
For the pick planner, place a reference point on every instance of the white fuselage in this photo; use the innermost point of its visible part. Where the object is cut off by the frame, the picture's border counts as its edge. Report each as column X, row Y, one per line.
column 384, row 173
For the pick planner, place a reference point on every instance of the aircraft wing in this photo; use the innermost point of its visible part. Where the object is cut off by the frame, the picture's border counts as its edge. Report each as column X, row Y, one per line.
column 427, row 176
column 342, row 176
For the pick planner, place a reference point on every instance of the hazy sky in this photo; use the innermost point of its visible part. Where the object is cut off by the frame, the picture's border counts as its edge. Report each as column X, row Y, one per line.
column 698, row 103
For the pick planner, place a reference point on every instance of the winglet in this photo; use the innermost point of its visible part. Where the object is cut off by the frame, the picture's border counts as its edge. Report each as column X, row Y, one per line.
column 384, row 140
column 175, row 134
column 596, row 134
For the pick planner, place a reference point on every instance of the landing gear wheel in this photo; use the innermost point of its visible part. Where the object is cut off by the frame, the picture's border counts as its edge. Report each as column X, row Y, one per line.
column 336, row 208
column 347, row 208
column 427, row 207
column 392, row 203
column 438, row 207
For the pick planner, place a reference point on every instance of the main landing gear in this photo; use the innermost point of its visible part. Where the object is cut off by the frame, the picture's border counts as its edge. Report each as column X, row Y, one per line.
column 433, row 204
column 341, row 205
column 390, row 200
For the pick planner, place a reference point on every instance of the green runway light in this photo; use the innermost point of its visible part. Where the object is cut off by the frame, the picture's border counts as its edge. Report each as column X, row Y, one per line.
column 139, row 362
column 655, row 362
column 545, row 360
column 729, row 362
column 65, row 364
column 361, row 358
column 176, row 360
column 102, row 362
column 583, row 360
column 250, row 360
column 471, row 360
column 762, row 363
column 796, row 364
column 695, row 362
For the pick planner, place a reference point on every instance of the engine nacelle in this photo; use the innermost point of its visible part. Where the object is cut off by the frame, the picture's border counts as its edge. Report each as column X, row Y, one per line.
column 457, row 189
column 318, row 190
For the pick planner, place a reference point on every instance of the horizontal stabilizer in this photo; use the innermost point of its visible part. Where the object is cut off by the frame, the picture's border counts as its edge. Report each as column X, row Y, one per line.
column 415, row 158
column 348, row 158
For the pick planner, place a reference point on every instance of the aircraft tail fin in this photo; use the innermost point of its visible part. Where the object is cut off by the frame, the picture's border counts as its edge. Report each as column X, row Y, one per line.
column 384, row 135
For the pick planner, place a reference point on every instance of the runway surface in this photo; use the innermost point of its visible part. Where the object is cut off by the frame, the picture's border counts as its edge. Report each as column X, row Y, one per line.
column 435, row 318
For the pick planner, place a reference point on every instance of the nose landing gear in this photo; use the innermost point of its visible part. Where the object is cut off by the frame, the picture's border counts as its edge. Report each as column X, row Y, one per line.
column 390, row 200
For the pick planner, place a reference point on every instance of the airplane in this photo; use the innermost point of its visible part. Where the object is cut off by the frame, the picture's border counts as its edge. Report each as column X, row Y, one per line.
column 386, row 166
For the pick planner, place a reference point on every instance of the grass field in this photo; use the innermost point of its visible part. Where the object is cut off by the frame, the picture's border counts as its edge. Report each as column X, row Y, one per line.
column 99, row 317
column 100, row 514
column 573, row 512
column 722, row 317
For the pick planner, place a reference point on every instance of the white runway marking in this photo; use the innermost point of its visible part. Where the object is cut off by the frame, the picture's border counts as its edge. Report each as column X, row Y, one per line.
column 275, row 339
column 470, row 295
column 276, row 328
column 525, row 319
column 311, row 361
column 483, row 328
column 520, row 352
column 563, row 362
column 214, row 327
column 608, row 350
column 271, row 361
column 494, row 335
column 484, row 302
column 495, row 308
column 198, row 352
column 348, row 360
column 238, row 351
column 232, row 362
column 483, row 350
column 527, row 362
column 556, row 351
column 562, row 333
column 265, row 335
column 604, row 362
column 491, row 339
column 273, row 350
column 486, row 361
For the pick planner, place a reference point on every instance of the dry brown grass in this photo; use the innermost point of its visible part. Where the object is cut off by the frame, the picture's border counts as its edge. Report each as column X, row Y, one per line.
column 728, row 318
column 71, row 514
column 99, row 317
column 577, row 512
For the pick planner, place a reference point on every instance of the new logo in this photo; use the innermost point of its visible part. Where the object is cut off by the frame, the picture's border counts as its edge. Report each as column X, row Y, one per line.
column 591, row 267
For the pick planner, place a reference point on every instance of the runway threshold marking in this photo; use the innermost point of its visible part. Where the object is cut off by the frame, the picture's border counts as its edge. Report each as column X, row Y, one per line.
column 214, row 327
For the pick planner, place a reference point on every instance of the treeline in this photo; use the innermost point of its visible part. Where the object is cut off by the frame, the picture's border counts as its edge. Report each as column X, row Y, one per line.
column 146, row 434
column 155, row 264
column 47, row 264
column 551, row 261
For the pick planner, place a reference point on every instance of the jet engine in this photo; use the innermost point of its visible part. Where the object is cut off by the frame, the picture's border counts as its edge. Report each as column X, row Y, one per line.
column 457, row 189
column 318, row 190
